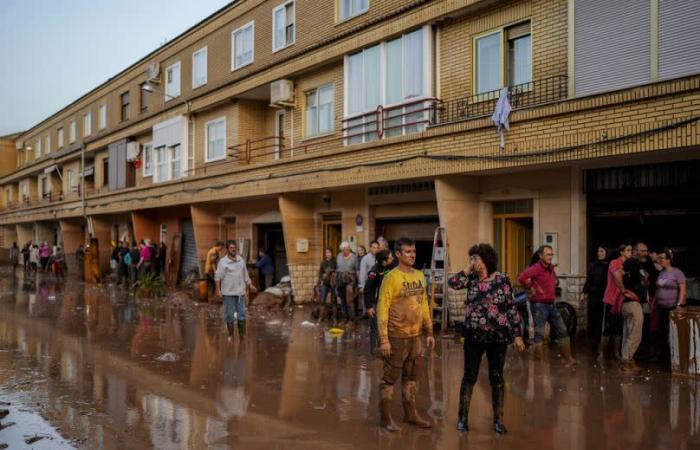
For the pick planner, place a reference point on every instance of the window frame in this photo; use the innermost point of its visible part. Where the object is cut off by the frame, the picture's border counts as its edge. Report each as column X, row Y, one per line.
column 317, row 90
column 38, row 153
column 284, row 5
column 207, row 159
column 87, row 124
column 72, row 131
column 341, row 19
column 167, row 94
column 204, row 50
column 47, row 143
column 170, row 160
column 504, row 74
column 61, row 137
column 143, row 105
column 102, row 116
column 158, row 176
column 147, row 157
column 242, row 28
column 127, row 105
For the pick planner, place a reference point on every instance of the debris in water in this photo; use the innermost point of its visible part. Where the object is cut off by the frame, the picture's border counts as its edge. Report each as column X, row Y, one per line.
column 4, row 413
column 306, row 323
column 33, row 439
column 167, row 357
column 7, row 425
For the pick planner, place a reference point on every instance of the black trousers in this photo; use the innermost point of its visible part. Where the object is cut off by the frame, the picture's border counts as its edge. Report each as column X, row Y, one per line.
column 496, row 356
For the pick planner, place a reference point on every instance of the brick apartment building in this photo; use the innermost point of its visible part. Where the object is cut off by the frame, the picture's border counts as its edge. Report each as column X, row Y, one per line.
column 292, row 125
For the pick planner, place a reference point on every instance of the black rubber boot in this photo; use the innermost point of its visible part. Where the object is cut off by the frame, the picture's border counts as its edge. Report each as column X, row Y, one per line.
column 497, row 400
column 465, row 399
column 229, row 327
column 241, row 328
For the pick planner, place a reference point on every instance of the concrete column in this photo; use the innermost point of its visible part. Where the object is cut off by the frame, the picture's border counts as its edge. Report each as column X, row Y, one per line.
column 73, row 232
column 297, row 212
column 458, row 208
column 101, row 230
column 205, row 220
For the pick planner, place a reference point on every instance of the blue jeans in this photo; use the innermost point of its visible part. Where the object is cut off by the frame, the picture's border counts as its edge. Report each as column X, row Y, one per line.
column 543, row 313
column 234, row 303
column 325, row 290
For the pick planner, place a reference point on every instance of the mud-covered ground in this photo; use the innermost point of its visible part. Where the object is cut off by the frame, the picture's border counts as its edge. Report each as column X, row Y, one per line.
column 93, row 367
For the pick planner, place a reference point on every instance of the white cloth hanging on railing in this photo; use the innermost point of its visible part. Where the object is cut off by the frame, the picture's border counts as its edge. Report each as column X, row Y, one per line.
column 500, row 116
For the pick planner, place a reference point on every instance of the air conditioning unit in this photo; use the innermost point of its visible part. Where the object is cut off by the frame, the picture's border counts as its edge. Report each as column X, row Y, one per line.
column 153, row 72
column 282, row 93
column 133, row 151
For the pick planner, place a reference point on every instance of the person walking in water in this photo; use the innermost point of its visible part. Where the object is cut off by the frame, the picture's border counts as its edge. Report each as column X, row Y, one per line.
column 492, row 321
column 232, row 279
column 403, row 315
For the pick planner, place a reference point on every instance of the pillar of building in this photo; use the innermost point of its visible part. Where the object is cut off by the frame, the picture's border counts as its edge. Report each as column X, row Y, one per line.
column 73, row 232
column 25, row 233
column 298, row 226
column 458, row 208
column 145, row 226
column 101, row 230
column 205, row 220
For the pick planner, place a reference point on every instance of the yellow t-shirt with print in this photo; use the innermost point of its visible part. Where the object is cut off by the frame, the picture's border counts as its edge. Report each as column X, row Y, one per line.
column 403, row 309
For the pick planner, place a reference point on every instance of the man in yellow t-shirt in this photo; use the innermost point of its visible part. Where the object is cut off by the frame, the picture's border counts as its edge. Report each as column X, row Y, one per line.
column 402, row 314
column 212, row 262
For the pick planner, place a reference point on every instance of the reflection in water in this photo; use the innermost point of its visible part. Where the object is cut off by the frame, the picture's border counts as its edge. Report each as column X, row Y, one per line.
column 92, row 358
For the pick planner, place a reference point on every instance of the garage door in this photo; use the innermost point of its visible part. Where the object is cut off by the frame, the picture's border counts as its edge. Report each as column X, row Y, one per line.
column 421, row 230
column 189, row 250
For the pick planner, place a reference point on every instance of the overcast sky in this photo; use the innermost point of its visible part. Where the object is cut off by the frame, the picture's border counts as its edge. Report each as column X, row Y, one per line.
column 54, row 51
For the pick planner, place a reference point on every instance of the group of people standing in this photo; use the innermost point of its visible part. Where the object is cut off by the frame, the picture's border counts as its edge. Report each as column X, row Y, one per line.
column 42, row 257
column 135, row 261
column 630, row 298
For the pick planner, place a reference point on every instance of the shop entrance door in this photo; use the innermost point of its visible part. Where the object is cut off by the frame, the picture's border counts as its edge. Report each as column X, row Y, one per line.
column 513, row 235
column 332, row 233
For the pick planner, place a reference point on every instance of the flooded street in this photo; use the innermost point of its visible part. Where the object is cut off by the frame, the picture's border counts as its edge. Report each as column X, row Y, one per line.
column 92, row 367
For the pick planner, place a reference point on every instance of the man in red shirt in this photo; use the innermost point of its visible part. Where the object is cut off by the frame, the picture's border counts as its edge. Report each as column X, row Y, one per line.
column 541, row 279
column 613, row 299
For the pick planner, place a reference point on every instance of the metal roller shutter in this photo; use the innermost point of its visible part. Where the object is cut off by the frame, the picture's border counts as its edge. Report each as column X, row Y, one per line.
column 189, row 250
column 679, row 28
column 612, row 45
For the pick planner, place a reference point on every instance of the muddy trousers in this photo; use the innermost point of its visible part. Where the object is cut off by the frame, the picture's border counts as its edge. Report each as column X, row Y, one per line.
column 496, row 356
column 632, row 331
column 403, row 362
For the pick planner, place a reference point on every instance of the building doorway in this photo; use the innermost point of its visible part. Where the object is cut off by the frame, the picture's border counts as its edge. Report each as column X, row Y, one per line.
column 332, row 233
column 271, row 238
column 420, row 229
column 513, row 235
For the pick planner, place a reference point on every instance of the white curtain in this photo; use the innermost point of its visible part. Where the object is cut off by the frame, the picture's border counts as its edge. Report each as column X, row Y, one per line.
column 520, row 61
column 311, row 114
column 243, row 46
column 355, row 83
column 279, row 27
column 394, row 72
column 325, row 109
column 175, row 162
column 488, row 66
column 372, row 63
column 413, row 60
column 216, row 141
column 200, row 68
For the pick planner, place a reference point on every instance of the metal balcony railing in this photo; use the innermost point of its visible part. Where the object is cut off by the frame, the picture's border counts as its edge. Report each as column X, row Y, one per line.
column 524, row 95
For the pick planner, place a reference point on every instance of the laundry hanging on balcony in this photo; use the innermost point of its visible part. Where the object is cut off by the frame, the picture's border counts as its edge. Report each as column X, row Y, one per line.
column 500, row 116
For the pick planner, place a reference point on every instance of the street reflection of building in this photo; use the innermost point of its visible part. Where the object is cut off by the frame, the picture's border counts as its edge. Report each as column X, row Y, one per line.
column 266, row 141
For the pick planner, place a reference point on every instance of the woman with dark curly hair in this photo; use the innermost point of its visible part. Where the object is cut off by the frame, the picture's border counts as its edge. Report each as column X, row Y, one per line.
column 492, row 322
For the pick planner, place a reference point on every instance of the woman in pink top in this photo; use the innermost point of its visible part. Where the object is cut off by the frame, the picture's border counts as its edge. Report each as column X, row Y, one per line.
column 145, row 256
column 612, row 315
column 44, row 255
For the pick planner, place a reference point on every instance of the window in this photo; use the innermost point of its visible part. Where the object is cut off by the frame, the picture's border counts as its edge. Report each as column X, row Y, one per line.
column 45, row 187
column 175, row 166
column 145, row 97
column 47, row 144
column 125, row 102
column 199, row 68
column 172, row 81
column 493, row 70
column 60, row 137
column 72, row 131
column 403, row 77
column 161, row 173
column 148, row 159
column 283, row 29
column 105, row 172
column 72, row 186
column 102, row 116
column 351, row 8
column 163, row 232
column 319, row 111
column 87, row 124
column 243, row 46
column 215, row 132
column 37, row 149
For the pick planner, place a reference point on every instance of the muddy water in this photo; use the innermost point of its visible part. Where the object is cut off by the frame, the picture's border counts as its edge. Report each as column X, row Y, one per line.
column 94, row 366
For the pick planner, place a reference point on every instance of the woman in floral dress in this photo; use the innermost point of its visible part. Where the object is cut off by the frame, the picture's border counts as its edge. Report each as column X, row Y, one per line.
column 491, row 323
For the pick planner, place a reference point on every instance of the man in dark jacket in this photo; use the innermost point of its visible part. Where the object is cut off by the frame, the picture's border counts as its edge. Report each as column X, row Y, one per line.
column 267, row 269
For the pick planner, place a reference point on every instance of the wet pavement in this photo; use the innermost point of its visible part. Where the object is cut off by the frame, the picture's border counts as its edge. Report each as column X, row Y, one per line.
column 93, row 367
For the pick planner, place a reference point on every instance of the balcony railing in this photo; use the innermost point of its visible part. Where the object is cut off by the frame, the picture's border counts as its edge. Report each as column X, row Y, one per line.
column 524, row 95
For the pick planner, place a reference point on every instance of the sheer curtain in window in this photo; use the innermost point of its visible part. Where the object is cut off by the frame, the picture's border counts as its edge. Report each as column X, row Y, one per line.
column 413, row 61
column 488, row 67
column 356, row 100
column 175, row 165
column 372, row 64
column 394, row 72
column 520, row 62
column 279, row 27
column 311, row 114
column 325, row 109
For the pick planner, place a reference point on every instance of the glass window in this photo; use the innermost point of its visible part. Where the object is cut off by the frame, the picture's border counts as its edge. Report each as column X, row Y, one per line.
column 243, row 40
column 37, row 149
column 394, row 71
column 161, row 164
column 216, row 139
column 319, row 111
column 147, row 159
column 175, row 166
column 172, row 81
column 145, row 97
column 488, row 62
column 199, row 68
column 125, row 105
column 284, row 33
column 87, row 124
column 60, row 137
column 102, row 119
column 350, row 8
column 47, row 144
column 72, row 131
column 519, row 60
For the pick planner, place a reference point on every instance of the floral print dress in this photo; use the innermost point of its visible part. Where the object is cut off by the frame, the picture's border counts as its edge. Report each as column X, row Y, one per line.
column 491, row 314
